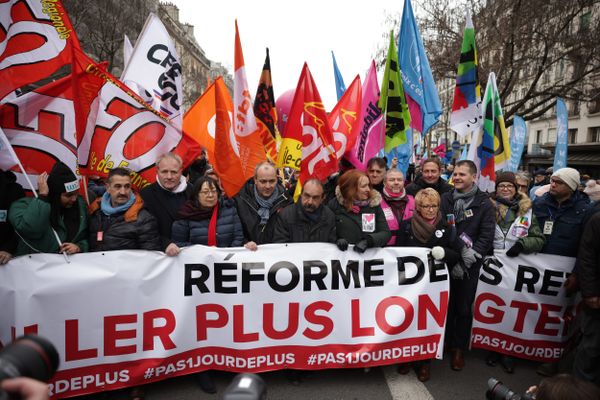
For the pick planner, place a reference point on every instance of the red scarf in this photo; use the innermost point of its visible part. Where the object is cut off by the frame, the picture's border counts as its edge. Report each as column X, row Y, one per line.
column 212, row 227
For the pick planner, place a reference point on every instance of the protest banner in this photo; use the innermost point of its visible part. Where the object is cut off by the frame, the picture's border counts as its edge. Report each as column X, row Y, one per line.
column 126, row 318
column 521, row 308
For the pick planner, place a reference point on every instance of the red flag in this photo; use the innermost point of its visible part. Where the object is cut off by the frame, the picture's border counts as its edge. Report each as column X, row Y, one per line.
column 116, row 128
column 344, row 118
column 265, row 110
column 307, row 142
column 227, row 164
column 40, row 126
column 37, row 38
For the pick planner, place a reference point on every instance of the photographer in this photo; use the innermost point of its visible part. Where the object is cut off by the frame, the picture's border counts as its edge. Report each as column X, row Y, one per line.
column 26, row 388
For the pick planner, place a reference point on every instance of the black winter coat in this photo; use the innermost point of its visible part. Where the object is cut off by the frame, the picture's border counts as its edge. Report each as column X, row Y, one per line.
column 569, row 220
column 10, row 191
column 349, row 225
column 480, row 227
column 164, row 206
column 292, row 226
column 187, row 232
column 441, row 186
column 248, row 211
column 588, row 271
column 135, row 229
column 444, row 236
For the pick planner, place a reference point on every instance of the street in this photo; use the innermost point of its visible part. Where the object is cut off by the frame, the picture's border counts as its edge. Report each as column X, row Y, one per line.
column 380, row 383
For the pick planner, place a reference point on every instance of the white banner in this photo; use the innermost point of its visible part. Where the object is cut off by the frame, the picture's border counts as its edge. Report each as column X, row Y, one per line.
column 521, row 308
column 126, row 318
column 154, row 71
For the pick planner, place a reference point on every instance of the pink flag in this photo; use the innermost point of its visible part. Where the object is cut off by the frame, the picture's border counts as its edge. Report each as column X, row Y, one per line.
column 371, row 133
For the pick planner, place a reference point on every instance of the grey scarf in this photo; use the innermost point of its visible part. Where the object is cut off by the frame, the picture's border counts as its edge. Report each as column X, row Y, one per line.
column 264, row 205
column 462, row 201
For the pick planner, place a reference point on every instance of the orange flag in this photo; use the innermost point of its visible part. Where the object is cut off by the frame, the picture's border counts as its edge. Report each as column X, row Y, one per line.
column 344, row 118
column 227, row 164
column 307, row 142
column 199, row 120
column 247, row 131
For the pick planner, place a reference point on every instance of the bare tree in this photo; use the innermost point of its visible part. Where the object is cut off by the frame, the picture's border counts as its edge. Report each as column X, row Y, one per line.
column 539, row 49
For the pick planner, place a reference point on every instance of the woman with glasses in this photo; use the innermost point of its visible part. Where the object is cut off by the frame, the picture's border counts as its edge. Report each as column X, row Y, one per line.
column 517, row 231
column 208, row 218
column 428, row 228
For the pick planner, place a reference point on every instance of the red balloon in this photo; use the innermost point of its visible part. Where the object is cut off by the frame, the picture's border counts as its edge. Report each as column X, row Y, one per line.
column 284, row 105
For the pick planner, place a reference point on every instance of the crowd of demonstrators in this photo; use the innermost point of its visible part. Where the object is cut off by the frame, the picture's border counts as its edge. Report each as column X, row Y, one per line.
column 459, row 222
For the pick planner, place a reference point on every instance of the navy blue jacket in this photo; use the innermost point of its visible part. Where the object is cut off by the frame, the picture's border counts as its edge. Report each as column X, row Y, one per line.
column 569, row 220
column 187, row 232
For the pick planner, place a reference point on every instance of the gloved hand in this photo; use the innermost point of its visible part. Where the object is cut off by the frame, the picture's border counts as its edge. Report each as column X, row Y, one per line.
column 515, row 250
column 469, row 256
column 457, row 272
column 342, row 244
column 438, row 252
column 361, row 246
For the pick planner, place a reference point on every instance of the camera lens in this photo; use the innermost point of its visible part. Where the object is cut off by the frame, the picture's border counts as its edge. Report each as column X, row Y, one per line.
column 31, row 356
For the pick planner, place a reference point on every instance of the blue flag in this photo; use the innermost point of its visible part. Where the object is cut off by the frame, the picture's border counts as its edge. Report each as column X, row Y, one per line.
column 562, row 129
column 518, row 138
column 419, row 87
column 403, row 153
column 465, row 152
column 340, row 87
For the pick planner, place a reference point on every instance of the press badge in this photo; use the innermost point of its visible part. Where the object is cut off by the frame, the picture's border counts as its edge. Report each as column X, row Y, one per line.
column 468, row 213
column 3, row 215
column 548, row 225
column 368, row 222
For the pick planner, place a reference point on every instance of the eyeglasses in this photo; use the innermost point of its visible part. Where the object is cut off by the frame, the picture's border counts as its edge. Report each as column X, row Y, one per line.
column 502, row 187
column 207, row 192
column 429, row 207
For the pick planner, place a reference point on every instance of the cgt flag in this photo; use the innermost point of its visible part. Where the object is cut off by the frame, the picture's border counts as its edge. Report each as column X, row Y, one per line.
column 393, row 102
column 307, row 143
column 8, row 157
column 37, row 38
column 422, row 96
column 466, row 108
column 154, row 72
column 266, row 112
column 344, row 119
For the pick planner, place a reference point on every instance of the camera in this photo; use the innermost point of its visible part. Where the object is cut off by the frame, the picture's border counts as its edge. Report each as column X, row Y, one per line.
column 29, row 356
column 246, row 387
column 498, row 391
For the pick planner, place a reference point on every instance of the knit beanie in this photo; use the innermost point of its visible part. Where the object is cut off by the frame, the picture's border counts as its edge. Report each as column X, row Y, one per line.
column 569, row 175
column 506, row 177
column 61, row 179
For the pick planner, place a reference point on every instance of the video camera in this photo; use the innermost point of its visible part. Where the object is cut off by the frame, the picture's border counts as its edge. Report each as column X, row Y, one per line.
column 498, row 391
column 29, row 356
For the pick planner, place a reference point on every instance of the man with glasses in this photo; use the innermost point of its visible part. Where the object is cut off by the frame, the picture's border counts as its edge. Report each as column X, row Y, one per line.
column 472, row 212
column 562, row 213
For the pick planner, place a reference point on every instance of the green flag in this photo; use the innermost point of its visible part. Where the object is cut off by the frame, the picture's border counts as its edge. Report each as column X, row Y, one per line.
column 392, row 101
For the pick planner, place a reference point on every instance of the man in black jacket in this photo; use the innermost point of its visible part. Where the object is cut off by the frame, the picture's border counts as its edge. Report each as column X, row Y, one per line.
column 308, row 220
column 10, row 191
column 431, row 176
column 164, row 197
column 258, row 203
column 473, row 213
column 117, row 220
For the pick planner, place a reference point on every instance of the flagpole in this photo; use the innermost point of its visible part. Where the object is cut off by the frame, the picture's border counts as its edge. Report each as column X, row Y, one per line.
column 64, row 253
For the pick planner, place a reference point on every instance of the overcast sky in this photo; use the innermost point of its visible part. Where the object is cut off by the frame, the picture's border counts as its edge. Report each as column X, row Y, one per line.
column 294, row 32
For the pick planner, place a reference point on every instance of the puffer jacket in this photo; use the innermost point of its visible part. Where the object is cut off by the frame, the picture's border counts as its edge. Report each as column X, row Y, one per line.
column 134, row 229
column 349, row 225
column 293, row 226
column 31, row 219
column 187, row 232
column 443, row 236
column 568, row 218
column 525, row 230
column 248, row 212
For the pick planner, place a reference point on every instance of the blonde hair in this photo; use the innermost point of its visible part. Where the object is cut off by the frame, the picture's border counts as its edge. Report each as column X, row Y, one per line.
column 427, row 193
